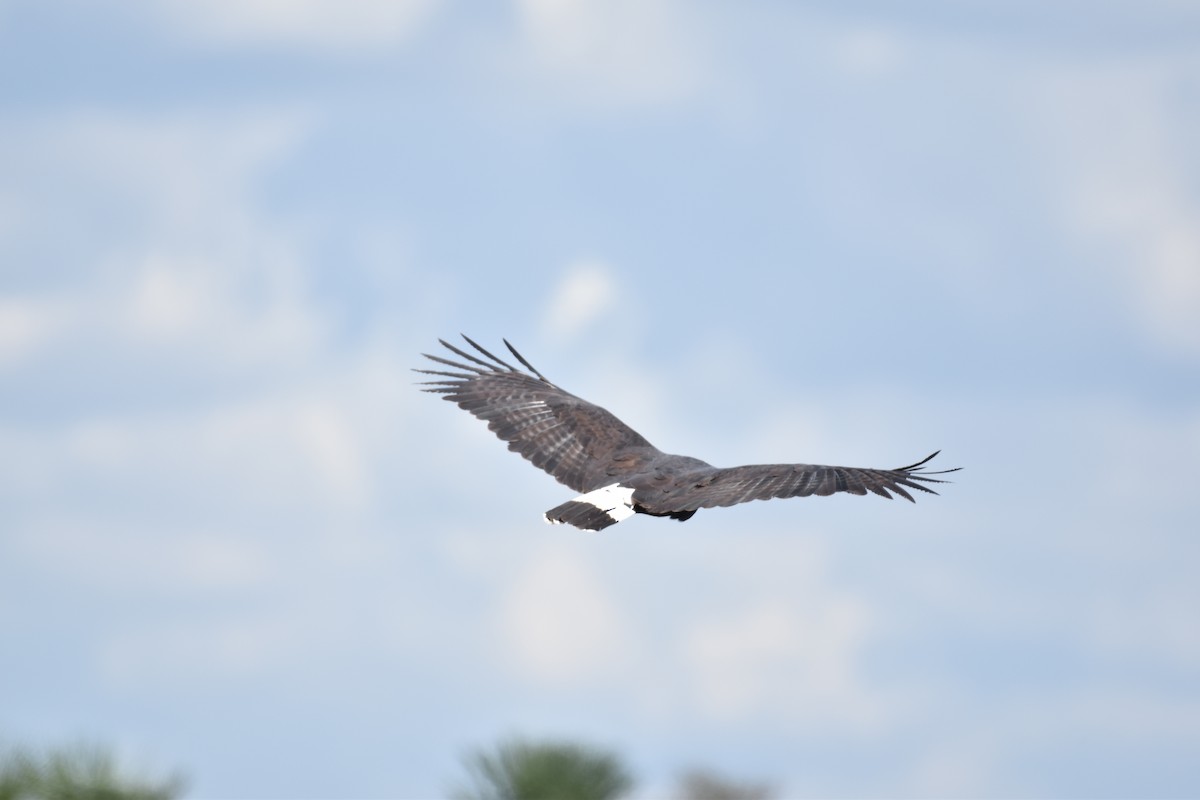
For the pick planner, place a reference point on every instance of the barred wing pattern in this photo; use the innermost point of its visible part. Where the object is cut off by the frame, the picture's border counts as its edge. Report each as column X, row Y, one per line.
column 728, row 487
column 617, row 470
column 570, row 438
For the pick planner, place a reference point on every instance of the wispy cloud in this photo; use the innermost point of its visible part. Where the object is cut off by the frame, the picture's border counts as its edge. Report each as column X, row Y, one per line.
column 585, row 293
column 560, row 624
column 1124, row 188
column 348, row 27
column 624, row 53
column 26, row 325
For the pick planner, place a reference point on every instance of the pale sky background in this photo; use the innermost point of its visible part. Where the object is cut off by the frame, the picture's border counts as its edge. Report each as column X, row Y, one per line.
column 236, row 540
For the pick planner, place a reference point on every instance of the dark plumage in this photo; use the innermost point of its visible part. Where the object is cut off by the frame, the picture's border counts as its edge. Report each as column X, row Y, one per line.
column 619, row 472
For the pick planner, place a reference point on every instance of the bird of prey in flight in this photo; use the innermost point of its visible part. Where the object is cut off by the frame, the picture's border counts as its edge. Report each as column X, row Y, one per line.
column 617, row 471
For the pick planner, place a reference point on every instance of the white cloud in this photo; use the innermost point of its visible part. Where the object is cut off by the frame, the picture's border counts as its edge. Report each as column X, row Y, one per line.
column 960, row 767
column 185, row 651
column 126, row 560
column 586, row 292
column 191, row 287
column 989, row 753
column 559, row 622
column 287, row 445
column 348, row 26
column 189, row 176
column 181, row 259
column 198, row 306
column 26, row 326
column 613, row 52
column 1126, row 191
column 193, row 310
column 169, row 300
column 768, row 638
column 868, row 51
column 259, row 452
column 781, row 657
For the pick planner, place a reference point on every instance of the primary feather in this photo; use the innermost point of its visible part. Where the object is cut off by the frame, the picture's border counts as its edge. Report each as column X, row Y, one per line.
column 618, row 471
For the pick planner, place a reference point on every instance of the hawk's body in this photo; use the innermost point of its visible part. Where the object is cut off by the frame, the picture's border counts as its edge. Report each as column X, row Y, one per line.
column 616, row 469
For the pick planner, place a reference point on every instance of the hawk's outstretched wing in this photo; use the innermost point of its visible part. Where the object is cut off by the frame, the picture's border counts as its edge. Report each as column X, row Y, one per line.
column 570, row 438
column 727, row 487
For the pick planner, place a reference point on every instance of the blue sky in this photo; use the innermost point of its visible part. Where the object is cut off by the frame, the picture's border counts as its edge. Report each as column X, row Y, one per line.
column 238, row 541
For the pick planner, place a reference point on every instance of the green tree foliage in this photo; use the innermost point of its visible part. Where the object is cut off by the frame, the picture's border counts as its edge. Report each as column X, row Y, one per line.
column 700, row 784
column 521, row 770
column 84, row 772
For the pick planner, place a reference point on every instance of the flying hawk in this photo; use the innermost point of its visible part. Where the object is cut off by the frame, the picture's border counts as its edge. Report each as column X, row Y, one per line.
column 620, row 473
